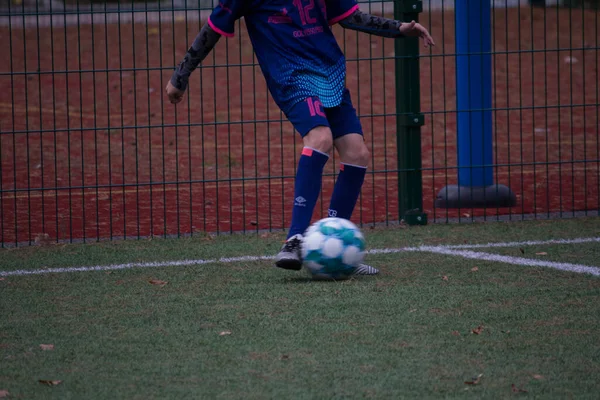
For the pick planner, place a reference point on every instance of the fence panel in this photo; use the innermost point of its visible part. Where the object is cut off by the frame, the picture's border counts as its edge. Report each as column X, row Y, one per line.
column 90, row 149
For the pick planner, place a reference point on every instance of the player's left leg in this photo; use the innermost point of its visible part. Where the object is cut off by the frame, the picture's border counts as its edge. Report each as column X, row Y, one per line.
column 310, row 121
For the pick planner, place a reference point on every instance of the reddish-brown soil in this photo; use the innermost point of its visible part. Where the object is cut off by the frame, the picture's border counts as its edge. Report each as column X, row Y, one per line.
column 91, row 149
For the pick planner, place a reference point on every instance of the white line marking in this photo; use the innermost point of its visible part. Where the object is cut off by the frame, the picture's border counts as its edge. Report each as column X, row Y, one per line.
column 449, row 250
column 527, row 243
column 579, row 268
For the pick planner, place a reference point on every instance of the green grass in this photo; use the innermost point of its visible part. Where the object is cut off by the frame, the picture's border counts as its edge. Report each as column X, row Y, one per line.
column 404, row 334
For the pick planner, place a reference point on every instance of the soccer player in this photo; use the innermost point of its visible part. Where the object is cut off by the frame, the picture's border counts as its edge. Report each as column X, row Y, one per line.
column 305, row 71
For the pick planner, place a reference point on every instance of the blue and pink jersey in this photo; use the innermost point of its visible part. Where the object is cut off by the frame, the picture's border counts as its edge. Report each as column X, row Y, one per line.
column 295, row 47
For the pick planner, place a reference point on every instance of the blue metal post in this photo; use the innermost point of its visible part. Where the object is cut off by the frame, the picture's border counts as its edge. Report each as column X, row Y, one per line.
column 476, row 186
column 474, row 92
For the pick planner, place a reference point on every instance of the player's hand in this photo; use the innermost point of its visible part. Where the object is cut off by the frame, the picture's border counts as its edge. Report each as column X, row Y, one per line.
column 175, row 95
column 413, row 29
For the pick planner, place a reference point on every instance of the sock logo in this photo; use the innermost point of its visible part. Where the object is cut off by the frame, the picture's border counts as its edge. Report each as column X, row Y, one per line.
column 300, row 201
column 332, row 213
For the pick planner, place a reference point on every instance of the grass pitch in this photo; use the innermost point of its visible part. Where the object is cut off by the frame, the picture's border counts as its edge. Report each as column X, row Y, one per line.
column 430, row 326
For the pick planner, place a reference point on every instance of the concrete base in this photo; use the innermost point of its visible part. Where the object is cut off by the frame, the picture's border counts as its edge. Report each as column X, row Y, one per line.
column 454, row 196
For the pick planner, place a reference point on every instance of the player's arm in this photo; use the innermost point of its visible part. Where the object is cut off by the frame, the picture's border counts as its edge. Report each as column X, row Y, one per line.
column 220, row 23
column 381, row 26
column 205, row 41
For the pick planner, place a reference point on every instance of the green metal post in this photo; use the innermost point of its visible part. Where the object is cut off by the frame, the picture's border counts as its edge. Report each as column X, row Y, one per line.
column 409, row 118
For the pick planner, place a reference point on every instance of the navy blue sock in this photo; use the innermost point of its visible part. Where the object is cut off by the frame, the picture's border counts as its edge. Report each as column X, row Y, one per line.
column 346, row 190
column 307, row 189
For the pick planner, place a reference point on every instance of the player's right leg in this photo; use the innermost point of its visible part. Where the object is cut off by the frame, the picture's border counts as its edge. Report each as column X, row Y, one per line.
column 310, row 121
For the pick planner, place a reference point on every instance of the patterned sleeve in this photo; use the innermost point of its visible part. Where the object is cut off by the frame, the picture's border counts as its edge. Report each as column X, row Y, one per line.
column 222, row 20
column 338, row 10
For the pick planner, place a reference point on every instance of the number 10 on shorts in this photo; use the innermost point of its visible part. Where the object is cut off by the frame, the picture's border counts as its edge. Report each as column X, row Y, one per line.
column 315, row 107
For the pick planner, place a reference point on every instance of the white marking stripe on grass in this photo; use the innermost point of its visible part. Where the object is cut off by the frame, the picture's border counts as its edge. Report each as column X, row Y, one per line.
column 177, row 263
column 526, row 243
column 476, row 255
column 453, row 250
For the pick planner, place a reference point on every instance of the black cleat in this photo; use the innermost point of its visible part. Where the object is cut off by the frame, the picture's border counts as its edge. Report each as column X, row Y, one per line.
column 290, row 257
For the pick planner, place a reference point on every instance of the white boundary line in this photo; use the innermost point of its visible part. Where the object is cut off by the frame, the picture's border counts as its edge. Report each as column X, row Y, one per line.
column 527, row 243
column 476, row 255
column 453, row 250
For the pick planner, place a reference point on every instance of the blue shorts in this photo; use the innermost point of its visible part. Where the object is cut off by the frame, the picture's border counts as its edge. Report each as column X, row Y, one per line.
column 310, row 113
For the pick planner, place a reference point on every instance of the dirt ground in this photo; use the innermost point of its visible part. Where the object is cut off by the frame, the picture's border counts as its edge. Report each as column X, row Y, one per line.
column 90, row 147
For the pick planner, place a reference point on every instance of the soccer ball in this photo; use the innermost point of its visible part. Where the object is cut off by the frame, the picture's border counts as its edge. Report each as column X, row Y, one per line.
column 332, row 248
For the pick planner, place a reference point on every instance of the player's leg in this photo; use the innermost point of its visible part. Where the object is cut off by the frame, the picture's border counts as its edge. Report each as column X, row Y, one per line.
column 310, row 121
column 354, row 157
column 318, row 144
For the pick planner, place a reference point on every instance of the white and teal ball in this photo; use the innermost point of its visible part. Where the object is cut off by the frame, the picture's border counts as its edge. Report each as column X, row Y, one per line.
column 332, row 248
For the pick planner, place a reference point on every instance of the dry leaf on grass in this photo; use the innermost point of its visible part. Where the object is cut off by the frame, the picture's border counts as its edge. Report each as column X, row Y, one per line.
column 474, row 269
column 541, row 253
column 521, row 250
column 4, row 393
column 475, row 380
column 49, row 383
column 225, row 333
column 157, row 282
column 1, row 279
column 537, row 376
column 517, row 390
column 477, row 330
column 43, row 239
column 444, row 278
column 456, row 333
column 47, row 346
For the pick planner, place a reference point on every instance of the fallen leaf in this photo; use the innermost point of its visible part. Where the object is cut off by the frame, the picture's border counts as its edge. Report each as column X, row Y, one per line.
column 517, row 390
column 413, row 310
column 3, row 394
column 521, row 250
column 536, row 376
column 49, row 383
column 477, row 330
column 285, row 357
column 444, row 278
column 264, row 235
column 456, row 333
column 505, row 331
column 225, row 333
column 475, row 380
column 43, row 239
column 47, row 346
column 157, row 282
column 541, row 253
column 474, row 269
column 1, row 279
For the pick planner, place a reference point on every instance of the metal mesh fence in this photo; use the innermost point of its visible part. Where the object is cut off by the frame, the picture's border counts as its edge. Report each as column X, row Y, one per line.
column 90, row 149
